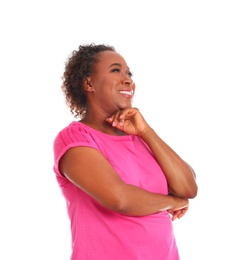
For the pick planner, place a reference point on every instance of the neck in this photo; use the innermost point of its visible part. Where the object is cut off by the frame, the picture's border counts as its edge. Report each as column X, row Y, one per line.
column 102, row 126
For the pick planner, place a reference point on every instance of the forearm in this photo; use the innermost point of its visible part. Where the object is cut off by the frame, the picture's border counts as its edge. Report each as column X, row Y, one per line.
column 134, row 201
column 180, row 176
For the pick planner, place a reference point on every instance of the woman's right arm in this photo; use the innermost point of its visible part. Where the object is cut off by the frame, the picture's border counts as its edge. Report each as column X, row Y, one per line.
column 88, row 169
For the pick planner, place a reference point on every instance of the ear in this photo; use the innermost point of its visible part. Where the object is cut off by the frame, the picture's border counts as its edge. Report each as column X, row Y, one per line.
column 87, row 85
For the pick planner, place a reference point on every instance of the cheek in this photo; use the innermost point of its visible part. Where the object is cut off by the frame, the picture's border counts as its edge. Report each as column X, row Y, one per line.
column 101, row 82
column 107, row 85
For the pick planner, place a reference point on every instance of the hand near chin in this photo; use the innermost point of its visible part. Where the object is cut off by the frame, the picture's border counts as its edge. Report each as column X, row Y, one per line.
column 128, row 120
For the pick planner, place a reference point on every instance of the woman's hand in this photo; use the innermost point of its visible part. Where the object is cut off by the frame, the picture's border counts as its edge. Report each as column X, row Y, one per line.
column 128, row 120
column 177, row 213
column 179, row 207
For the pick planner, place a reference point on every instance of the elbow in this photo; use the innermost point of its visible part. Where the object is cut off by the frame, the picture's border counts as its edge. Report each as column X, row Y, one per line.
column 117, row 204
column 121, row 206
column 191, row 188
column 192, row 193
column 186, row 193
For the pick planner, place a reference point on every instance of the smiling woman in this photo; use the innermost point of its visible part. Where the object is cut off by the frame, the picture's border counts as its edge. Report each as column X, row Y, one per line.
column 123, row 184
column 111, row 80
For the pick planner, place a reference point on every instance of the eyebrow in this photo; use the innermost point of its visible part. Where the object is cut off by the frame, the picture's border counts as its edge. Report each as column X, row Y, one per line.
column 117, row 64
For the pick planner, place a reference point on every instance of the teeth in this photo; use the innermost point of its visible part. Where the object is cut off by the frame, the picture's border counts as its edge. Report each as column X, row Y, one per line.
column 127, row 92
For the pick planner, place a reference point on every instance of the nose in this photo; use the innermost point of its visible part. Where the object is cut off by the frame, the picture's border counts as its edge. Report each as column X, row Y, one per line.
column 128, row 81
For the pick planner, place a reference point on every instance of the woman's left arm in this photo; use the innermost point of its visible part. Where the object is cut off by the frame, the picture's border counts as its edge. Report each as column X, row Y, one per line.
column 180, row 176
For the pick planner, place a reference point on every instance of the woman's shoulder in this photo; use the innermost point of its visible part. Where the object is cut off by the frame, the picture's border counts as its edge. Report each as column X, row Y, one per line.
column 73, row 132
column 73, row 135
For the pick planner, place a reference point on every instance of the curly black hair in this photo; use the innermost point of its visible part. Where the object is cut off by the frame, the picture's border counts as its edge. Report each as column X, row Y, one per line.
column 78, row 67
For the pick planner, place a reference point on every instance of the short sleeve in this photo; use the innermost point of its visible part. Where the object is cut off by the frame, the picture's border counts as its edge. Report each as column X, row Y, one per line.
column 73, row 135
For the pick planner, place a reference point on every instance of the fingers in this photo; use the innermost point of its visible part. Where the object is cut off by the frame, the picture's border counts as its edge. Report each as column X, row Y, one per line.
column 118, row 119
column 178, row 213
column 128, row 120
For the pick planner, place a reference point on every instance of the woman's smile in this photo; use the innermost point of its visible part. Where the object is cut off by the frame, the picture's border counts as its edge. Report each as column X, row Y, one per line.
column 127, row 93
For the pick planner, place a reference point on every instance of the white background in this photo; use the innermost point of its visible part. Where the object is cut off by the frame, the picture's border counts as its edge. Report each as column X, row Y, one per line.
column 189, row 65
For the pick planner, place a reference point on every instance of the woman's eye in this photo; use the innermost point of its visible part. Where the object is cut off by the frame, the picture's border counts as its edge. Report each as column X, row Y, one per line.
column 115, row 70
column 130, row 74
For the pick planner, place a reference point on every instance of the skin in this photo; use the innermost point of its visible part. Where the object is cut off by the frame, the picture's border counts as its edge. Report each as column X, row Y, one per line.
column 110, row 111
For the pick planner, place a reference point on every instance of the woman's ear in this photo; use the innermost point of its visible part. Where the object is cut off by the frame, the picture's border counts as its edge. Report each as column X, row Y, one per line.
column 87, row 86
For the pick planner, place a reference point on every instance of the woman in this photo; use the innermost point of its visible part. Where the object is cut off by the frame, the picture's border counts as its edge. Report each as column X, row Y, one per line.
column 122, row 183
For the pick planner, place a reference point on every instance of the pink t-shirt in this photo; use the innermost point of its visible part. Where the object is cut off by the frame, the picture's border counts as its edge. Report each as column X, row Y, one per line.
column 99, row 233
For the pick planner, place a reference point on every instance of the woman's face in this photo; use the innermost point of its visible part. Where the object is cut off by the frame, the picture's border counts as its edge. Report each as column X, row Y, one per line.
column 111, row 83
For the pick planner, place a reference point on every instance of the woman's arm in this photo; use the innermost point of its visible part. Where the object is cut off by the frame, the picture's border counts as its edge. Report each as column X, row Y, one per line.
column 180, row 176
column 89, row 170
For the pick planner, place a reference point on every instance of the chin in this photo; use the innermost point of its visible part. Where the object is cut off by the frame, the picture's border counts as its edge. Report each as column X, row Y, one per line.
column 125, row 106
